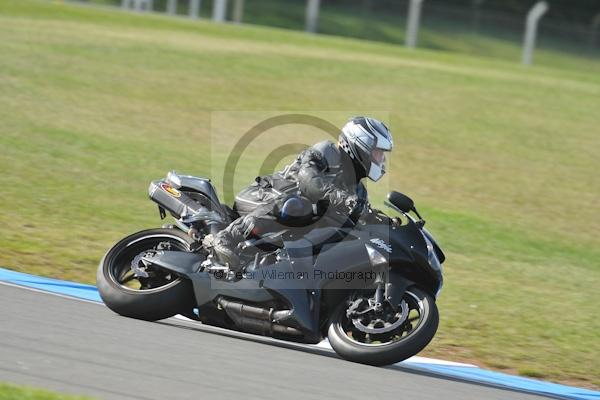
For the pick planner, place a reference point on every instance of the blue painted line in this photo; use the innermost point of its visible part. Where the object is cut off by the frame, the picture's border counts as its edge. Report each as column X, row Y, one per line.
column 78, row 290
column 465, row 373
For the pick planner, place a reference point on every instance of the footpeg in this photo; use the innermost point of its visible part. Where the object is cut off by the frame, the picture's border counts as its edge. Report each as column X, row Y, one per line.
column 219, row 271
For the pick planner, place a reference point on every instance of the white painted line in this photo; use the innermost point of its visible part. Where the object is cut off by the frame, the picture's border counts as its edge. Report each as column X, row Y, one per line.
column 323, row 345
column 435, row 361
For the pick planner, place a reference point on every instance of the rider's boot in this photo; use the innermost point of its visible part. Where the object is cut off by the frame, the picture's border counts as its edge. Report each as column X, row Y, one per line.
column 222, row 247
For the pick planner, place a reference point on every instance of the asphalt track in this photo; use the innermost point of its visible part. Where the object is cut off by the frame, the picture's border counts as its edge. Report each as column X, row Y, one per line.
column 79, row 347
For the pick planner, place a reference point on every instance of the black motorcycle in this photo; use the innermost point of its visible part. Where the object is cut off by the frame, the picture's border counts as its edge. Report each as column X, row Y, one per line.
column 369, row 289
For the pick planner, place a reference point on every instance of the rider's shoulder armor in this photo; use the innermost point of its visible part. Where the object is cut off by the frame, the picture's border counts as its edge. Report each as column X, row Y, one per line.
column 329, row 152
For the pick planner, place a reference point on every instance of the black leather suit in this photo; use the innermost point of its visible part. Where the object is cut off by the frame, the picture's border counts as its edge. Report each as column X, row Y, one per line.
column 322, row 173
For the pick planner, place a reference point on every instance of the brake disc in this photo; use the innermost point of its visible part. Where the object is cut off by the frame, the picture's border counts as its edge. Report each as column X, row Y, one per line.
column 135, row 266
column 378, row 325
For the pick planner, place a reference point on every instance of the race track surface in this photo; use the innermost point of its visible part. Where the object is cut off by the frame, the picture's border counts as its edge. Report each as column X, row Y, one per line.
column 78, row 347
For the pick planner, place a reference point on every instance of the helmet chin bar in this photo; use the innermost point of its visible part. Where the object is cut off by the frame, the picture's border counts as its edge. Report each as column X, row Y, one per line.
column 376, row 172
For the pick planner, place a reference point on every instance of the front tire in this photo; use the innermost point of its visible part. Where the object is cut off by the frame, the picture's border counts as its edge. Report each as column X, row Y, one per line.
column 384, row 349
column 160, row 295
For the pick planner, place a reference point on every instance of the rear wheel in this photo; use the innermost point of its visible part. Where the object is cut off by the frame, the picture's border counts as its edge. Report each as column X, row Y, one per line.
column 132, row 289
column 388, row 335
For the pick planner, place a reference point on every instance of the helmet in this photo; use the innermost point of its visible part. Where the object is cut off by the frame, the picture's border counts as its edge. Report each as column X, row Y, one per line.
column 365, row 140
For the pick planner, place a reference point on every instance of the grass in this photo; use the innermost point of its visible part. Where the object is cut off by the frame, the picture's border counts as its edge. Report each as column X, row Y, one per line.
column 502, row 159
column 444, row 28
column 12, row 392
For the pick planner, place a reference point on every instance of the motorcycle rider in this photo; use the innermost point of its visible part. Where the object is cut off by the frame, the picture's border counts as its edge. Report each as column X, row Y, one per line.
column 323, row 173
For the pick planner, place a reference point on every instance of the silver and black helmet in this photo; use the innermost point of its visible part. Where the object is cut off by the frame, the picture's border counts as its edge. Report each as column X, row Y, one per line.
column 366, row 140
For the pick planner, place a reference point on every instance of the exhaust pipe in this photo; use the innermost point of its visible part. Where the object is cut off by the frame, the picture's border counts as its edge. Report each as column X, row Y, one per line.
column 257, row 320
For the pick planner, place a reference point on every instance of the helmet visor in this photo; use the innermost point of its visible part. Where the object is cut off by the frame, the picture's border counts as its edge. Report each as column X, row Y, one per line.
column 378, row 156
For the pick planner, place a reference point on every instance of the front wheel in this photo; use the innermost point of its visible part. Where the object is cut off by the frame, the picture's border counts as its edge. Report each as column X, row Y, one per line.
column 387, row 336
column 132, row 289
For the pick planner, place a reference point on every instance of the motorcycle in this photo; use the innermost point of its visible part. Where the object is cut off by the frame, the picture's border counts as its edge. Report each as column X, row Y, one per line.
column 370, row 289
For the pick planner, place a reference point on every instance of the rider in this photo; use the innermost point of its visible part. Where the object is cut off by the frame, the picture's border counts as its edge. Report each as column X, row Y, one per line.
column 322, row 173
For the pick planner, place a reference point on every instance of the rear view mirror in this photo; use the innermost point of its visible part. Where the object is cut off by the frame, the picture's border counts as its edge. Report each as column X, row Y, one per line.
column 402, row 201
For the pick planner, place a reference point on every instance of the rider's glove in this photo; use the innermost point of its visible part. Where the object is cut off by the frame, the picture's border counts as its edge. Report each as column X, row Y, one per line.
column 208, row 242
column 351, row 202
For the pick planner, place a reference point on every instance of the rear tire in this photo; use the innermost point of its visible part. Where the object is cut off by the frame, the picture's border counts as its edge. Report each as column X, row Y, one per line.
column 159, row 297
column 379, row 354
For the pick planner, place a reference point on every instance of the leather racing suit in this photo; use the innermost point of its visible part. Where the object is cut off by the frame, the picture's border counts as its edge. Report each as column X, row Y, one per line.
column 322, row 173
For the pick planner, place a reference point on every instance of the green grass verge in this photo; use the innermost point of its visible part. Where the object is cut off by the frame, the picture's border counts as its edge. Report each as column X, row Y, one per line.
column 12, row 392
column 503, row 159
column 446, row 28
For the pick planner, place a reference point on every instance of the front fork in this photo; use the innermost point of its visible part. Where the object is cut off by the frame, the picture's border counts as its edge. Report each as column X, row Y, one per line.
column 390, row 289
column 381, row 291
